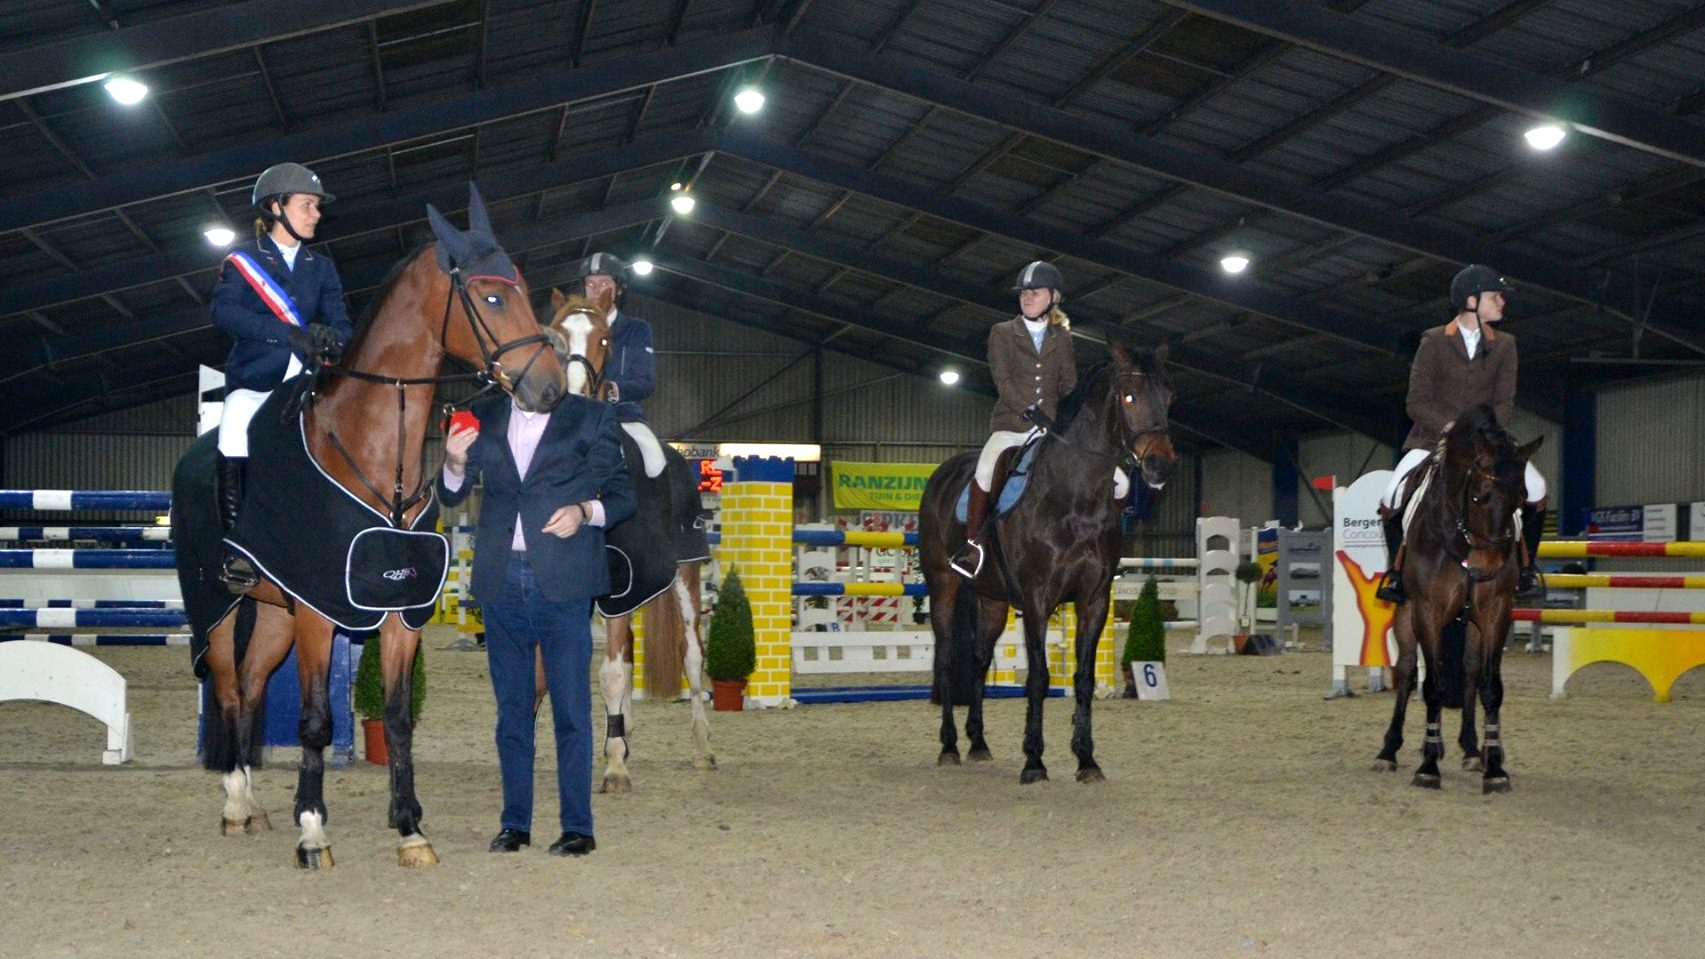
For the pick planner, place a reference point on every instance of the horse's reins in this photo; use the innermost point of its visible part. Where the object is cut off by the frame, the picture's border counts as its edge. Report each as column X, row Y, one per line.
column 1122, row 454
column 493, row 375
column 594, row 376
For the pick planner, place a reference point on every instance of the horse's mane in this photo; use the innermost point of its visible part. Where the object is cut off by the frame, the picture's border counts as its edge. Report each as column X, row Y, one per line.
column 1479, row 423
column 371, row 310
column 1088, row 386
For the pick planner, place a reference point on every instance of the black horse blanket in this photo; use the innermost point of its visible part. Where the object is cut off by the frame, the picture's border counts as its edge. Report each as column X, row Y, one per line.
column 328, row 550
column 666, row 530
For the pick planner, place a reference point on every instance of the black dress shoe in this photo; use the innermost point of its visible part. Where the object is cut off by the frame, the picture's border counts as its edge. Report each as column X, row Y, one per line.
column 511, row 840
column 573, row 844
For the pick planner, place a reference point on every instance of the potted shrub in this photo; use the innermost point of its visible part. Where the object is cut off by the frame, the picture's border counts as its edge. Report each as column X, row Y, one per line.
column 731, row 651
column 1145, row 644
column 369, row 695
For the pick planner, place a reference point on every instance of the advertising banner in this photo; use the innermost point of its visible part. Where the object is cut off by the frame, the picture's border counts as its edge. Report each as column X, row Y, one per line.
column 880, row 486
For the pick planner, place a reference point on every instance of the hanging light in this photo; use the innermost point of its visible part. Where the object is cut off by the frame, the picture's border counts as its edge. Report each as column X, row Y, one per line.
column 126, row 91
column 1545, row 136
column 642, row 267
column 219, row 235
column 950, row 377
column 683, row 203
column 1234, row 262
column 749, row 100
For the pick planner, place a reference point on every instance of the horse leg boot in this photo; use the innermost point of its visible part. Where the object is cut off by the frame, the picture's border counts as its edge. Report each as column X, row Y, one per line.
column 1532, row 530
column 968, row 562
column 1391, row 581
column 235, row 571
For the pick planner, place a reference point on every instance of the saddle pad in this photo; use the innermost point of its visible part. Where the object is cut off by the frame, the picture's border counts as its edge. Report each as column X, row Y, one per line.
column 1417, row 490
column 1011, row 490
column 395, row 569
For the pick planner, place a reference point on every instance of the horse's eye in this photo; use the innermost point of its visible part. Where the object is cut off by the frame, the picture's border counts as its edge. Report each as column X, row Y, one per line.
column 493, row 299
column 604, row 341
column 1129, row 398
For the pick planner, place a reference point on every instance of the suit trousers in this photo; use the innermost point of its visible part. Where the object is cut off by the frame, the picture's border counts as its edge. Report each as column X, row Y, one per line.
column 517, row 622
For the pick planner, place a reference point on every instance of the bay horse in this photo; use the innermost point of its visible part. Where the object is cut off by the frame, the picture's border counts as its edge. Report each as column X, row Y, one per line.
column 1059, row 543
column 1460, row 562
column 365, row 425
column 660, row 549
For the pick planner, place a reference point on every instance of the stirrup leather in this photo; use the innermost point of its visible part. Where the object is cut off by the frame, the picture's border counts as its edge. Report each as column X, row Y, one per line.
column 237, row 573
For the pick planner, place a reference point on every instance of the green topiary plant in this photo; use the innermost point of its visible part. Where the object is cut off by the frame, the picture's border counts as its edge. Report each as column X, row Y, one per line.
column 1146, row 640
column 731, row 651
column 369, row 693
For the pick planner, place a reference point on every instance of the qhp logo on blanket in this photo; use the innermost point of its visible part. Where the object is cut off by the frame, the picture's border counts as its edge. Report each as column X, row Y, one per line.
column 398, row 575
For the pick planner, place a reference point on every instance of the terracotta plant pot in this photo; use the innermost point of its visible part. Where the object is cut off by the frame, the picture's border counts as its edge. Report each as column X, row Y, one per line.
column 728, row 695
column 373, row 737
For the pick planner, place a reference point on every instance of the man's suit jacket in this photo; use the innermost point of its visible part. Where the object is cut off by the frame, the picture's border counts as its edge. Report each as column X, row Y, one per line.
column 579, row 458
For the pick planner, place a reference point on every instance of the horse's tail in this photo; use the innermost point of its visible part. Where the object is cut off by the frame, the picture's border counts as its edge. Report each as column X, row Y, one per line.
column 1452, row 640
column 665, row 645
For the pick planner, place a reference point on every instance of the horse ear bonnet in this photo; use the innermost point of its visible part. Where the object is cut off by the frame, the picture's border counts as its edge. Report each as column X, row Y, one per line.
column 452, row 245
column 475, row 251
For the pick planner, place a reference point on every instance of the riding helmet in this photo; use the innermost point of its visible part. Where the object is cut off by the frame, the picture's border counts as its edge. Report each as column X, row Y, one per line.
column 286, row 178
column 606, row 264
column 1475, row 279
column 1041, row 275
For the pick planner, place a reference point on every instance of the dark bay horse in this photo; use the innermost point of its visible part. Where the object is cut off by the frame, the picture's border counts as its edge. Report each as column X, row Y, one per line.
column 662, row 548
column 1059, row 544
column 365, row 427
column 1461, row 560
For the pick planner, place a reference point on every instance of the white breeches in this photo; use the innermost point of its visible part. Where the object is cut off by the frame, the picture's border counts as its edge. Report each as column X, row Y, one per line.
column 999, row 442
column 240, row 407
column 1413, row 458
column 649, row 449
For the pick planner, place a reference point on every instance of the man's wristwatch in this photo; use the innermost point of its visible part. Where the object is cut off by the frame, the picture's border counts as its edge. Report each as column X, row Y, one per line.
column 585, row 514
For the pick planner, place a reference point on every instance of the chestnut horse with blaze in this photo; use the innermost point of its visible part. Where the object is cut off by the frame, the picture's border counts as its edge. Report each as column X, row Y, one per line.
column 1059, row 543
column 365, row 426
column 656, row 557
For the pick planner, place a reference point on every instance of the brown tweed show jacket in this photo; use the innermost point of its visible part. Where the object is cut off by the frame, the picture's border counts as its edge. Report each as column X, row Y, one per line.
column 1025, row 378
column 1443, row 381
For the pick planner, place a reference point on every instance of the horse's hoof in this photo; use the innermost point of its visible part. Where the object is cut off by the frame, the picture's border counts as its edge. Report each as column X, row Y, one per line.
column 1497, row 784
column 320, row 858
column 1473, row 764
column 617, row 784
column 1033, row 774
column 948, row 757
column 980, row 754
column 705, row 763
column 1425, row 781
column 416, row 853
column 231, row 827
column 1385, row 765
column 1091, row 774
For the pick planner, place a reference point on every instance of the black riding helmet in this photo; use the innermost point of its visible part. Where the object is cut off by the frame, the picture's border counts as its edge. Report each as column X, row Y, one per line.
column 606, row 264
column 1473, row 280
column 284, row 179
column 1041, row 275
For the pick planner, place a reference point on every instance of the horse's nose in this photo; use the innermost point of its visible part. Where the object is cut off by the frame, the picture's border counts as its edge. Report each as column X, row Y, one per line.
column 1158, row 468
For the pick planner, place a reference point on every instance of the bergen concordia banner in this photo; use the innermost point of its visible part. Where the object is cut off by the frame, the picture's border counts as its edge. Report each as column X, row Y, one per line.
column 888, row 486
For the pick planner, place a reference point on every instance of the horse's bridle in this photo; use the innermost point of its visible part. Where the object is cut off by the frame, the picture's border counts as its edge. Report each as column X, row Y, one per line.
column 492, row 375
column 1477, row 542
column 594, row 376
column 1131, row 454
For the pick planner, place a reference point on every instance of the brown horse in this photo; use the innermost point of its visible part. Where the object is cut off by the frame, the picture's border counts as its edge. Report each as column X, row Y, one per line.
column 365, row 426
column 662, row 564
column 1460, row 561
column 1059, row 544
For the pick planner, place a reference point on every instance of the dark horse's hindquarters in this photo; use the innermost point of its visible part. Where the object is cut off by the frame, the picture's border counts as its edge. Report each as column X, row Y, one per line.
column 1060, row 543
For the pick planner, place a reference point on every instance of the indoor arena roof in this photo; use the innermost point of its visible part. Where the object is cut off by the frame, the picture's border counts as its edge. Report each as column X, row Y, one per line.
column 911, row 157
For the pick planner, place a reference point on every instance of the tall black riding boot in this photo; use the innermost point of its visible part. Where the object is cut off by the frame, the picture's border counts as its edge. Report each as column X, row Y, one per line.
column 1532, row 530
column 968, row 561
column 235, row 571
column 1391, row 582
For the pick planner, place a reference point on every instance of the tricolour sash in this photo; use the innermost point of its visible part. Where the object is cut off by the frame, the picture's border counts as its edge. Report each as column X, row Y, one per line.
column 267, row 288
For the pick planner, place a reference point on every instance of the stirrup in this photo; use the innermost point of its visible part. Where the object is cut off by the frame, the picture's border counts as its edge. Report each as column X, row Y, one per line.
column 237, row 573
column 1390, row 588
column 963, row 559
column 1531, row 584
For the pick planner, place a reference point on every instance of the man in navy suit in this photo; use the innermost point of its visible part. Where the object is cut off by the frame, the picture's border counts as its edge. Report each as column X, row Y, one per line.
column 553, row 482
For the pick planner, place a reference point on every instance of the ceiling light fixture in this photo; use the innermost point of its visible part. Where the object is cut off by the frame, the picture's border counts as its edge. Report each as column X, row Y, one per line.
column 1545, row 137
column 950, row 377
column 643, row 267
column 1234, row 263
column 126, row 91
column 749, row 100
column 219, row 235
column 683, row 203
